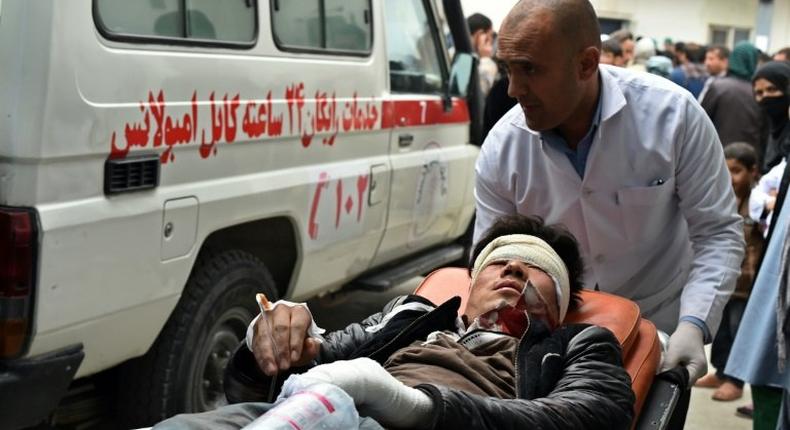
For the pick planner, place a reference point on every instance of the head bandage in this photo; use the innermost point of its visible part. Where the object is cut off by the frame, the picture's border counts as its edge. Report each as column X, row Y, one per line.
column 533, row 251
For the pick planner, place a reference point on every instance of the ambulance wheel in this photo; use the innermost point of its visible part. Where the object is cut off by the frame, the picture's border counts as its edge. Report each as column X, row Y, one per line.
column 183, row 370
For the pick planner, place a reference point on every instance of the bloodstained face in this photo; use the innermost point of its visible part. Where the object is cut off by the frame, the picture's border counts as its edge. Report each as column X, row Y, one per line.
column 501, row 283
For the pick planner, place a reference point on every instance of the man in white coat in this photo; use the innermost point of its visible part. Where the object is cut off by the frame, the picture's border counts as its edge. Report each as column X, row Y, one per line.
column 628, row 161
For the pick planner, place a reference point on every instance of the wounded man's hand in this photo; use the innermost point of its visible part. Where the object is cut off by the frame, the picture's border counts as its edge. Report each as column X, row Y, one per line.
column 280, row 339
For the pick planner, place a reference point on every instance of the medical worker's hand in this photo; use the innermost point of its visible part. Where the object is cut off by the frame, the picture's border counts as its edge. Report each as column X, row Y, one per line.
column 280, row 340
column 686, row 349
column 376, row 393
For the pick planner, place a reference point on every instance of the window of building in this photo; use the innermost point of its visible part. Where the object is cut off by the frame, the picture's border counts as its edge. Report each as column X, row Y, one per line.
column 231, row 22
column 610, row 25
column 728, row 36
column 331, row 26
column 740, row 35
column 718, row 36
column 412, row 48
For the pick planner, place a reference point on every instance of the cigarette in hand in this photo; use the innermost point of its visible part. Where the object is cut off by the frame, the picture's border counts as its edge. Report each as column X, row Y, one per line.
column 263, row 302
column 265, row 306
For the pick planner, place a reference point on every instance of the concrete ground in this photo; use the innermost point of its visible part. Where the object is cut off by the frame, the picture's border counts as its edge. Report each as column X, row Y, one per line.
column 337, row 310
column 705, row 413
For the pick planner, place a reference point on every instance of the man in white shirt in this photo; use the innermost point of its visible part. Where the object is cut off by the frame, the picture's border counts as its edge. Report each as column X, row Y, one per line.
column 629, row 162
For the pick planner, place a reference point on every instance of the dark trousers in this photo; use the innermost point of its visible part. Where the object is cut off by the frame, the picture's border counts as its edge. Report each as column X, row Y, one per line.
column 722, row 343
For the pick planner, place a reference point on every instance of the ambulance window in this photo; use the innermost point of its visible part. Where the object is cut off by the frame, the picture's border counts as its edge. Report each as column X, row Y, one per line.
column 226, row 20
column 144, row 18
column 230, row 22
column 348, row 25
column 411, row 48
column 324, row 26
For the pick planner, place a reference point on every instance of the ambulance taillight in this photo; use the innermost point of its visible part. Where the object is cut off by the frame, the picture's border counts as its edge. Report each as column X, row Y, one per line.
column 17, row 270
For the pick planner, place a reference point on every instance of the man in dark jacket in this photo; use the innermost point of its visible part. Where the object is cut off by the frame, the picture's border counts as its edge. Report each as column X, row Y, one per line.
column 730, row 104
column 507, row 362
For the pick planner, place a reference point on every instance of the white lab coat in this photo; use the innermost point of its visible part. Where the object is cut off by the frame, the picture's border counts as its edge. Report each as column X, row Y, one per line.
column 655, row 211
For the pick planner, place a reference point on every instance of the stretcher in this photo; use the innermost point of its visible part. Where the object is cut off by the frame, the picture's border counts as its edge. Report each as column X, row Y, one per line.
column 661, row 400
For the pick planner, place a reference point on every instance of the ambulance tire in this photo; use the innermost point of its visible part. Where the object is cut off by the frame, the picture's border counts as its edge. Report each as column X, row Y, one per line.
column 183, row 370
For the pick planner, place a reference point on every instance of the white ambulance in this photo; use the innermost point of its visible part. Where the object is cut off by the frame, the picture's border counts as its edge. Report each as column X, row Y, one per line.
column 161, row 161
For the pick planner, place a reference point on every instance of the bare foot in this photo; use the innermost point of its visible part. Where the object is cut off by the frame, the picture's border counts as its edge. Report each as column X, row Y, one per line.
column 709, row 381
column 727, row 392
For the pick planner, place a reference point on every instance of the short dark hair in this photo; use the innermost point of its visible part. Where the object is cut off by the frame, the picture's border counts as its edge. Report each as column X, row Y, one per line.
column 694, row 52
column 741, row 152
column 720, row 50
column 784, row 51
column 613, row 46
column 556, row 235
column 621, row 35
column 478, row 21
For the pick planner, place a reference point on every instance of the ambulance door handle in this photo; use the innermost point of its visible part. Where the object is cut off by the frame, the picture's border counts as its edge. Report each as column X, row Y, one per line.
column 379, row 184
column 405, row 140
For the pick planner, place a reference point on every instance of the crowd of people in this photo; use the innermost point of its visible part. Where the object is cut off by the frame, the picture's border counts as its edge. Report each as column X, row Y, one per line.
column 656, row 175
column 744, row 93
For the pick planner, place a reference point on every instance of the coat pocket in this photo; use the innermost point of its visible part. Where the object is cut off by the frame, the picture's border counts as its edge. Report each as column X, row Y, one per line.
column 646, row 210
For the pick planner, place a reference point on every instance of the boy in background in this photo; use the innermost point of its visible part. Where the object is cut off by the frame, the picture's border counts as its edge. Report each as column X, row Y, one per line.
column 742, row 163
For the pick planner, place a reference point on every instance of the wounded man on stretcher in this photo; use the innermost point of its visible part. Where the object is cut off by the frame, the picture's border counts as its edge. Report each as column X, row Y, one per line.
column 507, row 362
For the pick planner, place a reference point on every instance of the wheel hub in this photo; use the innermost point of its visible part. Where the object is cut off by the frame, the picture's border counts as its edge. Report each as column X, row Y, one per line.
column 223, row 338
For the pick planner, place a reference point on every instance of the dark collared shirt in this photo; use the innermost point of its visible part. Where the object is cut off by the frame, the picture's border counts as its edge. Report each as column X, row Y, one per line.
column 578, row 157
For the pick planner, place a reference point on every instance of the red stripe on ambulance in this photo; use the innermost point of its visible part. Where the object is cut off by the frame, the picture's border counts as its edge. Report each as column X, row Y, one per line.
column 410, row 113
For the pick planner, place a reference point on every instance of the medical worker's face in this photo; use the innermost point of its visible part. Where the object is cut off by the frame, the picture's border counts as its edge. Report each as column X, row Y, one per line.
column 501, row 283
column 544, row 69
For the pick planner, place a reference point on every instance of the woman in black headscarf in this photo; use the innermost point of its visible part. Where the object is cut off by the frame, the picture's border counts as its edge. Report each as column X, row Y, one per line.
column 770, row 91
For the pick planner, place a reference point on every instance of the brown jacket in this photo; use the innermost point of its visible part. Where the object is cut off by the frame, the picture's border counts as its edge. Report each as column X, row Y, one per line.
column 754, row 248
